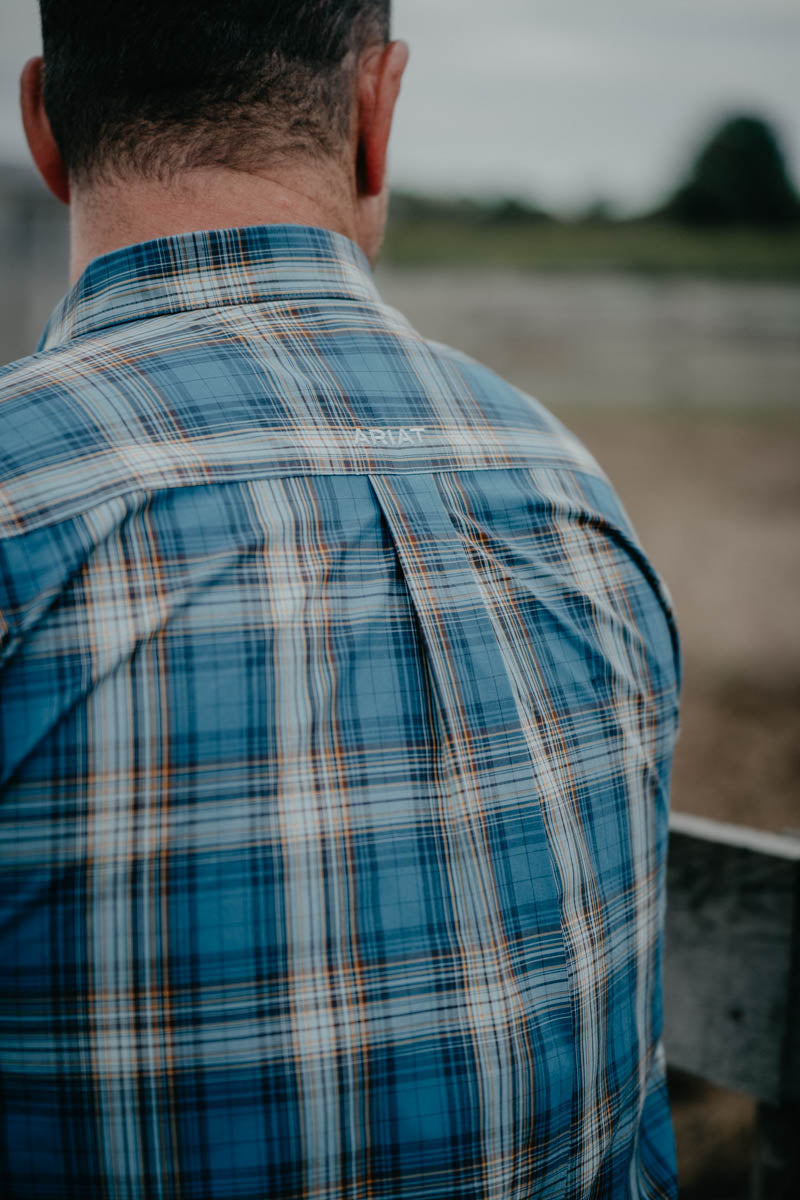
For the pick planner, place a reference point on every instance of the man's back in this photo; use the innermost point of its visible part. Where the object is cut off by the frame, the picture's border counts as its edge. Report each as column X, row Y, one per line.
column 337, row 706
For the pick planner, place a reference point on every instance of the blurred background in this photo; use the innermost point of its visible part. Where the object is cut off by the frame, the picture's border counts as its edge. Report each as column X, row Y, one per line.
column 600, row 201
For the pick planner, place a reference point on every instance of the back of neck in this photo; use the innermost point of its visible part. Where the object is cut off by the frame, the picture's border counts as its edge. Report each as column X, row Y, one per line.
column 111, row 215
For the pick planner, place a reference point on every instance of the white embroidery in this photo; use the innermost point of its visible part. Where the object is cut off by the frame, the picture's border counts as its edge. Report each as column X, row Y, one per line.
column 398, row 435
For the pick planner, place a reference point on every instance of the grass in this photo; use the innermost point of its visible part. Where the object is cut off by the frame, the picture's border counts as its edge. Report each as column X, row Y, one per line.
column 641, row 246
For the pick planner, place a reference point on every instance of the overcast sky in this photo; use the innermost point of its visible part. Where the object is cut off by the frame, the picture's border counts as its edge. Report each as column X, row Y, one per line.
column 558, row 100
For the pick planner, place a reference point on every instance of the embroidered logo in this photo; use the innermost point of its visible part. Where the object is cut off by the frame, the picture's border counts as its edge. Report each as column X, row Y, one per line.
column 395, row 435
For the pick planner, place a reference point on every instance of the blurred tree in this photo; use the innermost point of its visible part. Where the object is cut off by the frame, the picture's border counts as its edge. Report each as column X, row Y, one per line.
column 599, row 211
column 409, row 208
column 509, row 210
column 739, row 178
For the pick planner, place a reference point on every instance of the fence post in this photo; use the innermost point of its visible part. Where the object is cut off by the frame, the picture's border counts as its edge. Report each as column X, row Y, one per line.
column 776, row 1155
column 732, row 979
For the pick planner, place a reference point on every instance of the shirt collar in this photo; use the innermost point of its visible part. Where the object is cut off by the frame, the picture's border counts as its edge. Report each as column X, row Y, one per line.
column 207, row 269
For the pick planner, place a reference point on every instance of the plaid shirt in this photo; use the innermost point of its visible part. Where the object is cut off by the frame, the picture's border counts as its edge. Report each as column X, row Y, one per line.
column 338, row 702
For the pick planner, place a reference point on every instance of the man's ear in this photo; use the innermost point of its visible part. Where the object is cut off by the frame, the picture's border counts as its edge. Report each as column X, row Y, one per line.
column 35, row 122
column 379, row 78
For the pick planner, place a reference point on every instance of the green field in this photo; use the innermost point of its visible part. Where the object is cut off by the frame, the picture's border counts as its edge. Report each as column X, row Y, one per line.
column 640, row 246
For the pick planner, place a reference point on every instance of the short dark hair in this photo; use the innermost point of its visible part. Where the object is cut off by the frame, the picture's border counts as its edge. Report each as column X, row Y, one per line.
column 164, row 85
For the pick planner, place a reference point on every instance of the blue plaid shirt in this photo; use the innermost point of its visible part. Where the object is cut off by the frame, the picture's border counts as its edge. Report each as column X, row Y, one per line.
column 337, row 708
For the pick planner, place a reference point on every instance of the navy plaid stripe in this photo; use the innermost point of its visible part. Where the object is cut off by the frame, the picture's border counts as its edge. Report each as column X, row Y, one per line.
column 337, row 709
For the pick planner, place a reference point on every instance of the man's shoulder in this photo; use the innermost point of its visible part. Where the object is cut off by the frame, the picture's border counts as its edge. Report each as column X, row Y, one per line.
column 38, row 395
column 490, row 397
column 194, row 397
column 30, row 390
column 190, row 350
column 19, row 377
column 37, row 379
column 59, row 409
